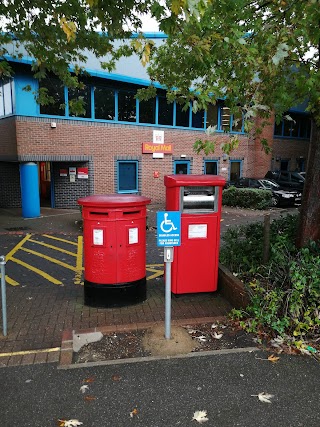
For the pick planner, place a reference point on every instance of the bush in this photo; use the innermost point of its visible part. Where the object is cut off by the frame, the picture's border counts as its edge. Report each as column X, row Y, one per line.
column 247, row 198
column 285, row 293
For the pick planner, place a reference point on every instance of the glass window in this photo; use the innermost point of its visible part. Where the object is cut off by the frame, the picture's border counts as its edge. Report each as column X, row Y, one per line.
column 165, row 116
column 127, row 176
column 85, row 95
column 147, row 111
column 237, row 122
column 1, row 101
column 225, row 119
column 182, row 167
column 211, row 167
column 212, row 115
column 182, row 117
column 126, row 106
column 198, row 119
column 104, row 103
column 278, row 128
column 298, row 127
column 305, row 127
column 235, row 170
column 7, row 97
column 55, row 90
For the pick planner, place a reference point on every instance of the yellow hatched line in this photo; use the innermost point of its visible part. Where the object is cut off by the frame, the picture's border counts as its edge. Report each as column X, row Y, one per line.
column 53, row 247
column 22, row 353
column 79, row 267
column 17, row 247
column 59, row 239
column 11, row 281
column 55, row 261
column 154, row 265
column 36, row 270
column 157, row 273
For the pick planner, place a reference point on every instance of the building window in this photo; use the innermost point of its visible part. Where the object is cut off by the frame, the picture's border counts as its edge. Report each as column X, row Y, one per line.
column 6, row 97
column 126, row 106
column 182, row 117
column 127, row 176
column 147, row 111
column 212, row 115
column 165, row 114
column 237, row 122
column 298, row 127
column 211, row 167
column 197, row 120
column 104, row 103
column 181, row 167
column 54, row 90
column 80, row 94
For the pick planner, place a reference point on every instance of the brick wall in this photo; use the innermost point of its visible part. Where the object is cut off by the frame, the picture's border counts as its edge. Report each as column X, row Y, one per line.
column 289, row 149
column 10, row 192
column 67, row 193
column 104, row 143
column 8, row 144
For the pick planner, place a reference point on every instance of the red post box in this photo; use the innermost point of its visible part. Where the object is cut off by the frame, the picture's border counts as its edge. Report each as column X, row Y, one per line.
column 114, row 230
column 199, row 199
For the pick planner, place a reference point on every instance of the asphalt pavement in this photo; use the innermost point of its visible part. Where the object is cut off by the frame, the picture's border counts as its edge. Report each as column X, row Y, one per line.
column 166, row 393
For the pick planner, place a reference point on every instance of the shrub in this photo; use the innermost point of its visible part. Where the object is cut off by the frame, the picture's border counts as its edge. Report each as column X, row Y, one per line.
column 247, row 198
column 285, row 293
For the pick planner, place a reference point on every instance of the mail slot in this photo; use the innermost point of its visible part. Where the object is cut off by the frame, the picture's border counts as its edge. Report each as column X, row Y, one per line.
column 198, row 198
column 114, row 231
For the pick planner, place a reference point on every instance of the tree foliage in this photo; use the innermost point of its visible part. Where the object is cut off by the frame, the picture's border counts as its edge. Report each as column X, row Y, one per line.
column 261, row 56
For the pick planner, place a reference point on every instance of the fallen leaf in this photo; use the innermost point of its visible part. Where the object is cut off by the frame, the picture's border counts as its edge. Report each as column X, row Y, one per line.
column 241, row 375
column 89, row 380
column 70, row 423
column 272, row 358
column 214, row 325
column 264, row 397
column 89, row 398
column 202, row 338
column 200, row 416
column 134, row 412
column 217, row 336
column 116, row 378
column 84, row 388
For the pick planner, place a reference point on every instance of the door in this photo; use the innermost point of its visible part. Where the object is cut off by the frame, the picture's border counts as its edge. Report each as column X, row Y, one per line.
column 235, row 169
column 45, row 184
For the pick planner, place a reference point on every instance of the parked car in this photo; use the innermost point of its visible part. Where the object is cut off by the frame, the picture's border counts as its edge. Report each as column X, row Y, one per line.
column 280, row 197
column 287, row 180
column 303, row 174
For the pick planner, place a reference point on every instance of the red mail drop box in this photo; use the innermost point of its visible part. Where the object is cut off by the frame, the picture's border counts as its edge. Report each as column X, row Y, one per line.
column 114, row 230
column 199, row 199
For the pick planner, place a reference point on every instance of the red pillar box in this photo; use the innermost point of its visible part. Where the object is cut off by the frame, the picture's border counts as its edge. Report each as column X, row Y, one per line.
column 114, row 230
column 199, row 199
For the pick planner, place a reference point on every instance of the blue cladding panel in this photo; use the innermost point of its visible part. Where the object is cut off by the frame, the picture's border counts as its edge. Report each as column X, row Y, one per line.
column 29, row 181
column 25, row 102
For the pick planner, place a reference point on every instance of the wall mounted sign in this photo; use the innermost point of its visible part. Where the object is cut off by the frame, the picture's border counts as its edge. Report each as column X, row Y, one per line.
column 72, row 171
column 158, row 136
column 63, row 172
column 83, row 173
column 150, row 148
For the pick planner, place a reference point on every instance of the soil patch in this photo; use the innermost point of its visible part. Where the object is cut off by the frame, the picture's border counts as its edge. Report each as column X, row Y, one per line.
column 151, row 342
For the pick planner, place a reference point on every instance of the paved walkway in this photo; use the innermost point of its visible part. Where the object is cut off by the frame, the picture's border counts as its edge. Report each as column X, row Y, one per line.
column 44, row 284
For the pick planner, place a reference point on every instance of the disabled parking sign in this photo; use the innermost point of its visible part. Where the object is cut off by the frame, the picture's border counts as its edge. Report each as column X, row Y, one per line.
column 168, row 228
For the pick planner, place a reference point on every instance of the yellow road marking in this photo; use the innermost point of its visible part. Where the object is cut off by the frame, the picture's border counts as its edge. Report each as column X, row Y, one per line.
column 11, row 281
column 17, row 247
column 156, row 272
column 79, row 267
column 36, row 270
column 23, row 353
column 59, row 239
column 55, row 261
column 53, row 247
column 154, row 265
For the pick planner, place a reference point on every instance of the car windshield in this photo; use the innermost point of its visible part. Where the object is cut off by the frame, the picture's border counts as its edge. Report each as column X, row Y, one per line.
column 268, row 183
column 297, row 177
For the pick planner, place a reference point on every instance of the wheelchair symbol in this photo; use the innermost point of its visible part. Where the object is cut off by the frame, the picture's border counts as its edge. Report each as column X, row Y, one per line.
column 167, row 225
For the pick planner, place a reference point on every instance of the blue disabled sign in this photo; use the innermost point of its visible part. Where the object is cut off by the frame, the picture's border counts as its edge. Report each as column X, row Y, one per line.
column 169, row 228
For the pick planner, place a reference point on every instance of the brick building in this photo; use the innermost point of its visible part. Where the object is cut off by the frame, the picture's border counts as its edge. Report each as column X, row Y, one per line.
column 108, row 149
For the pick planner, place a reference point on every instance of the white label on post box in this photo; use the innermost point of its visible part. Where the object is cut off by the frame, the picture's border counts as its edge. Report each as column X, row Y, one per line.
column 98, row 237
column 133, row 236
column 197, row 231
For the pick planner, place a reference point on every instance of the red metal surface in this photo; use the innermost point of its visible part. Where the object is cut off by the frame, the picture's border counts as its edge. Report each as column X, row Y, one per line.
column 195, row 265
column 116, row 256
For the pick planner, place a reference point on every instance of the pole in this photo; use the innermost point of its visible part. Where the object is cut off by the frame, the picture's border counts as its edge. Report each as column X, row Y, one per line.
column 168, row 302
column 3, row 294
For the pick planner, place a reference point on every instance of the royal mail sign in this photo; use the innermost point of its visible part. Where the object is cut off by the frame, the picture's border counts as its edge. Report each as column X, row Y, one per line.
column 151, row 148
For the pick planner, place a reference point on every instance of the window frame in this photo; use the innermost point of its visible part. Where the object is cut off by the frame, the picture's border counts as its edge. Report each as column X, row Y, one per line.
column 136, row 190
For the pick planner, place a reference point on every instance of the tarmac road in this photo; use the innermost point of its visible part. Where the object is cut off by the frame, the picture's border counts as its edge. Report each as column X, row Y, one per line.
column 166, row 393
